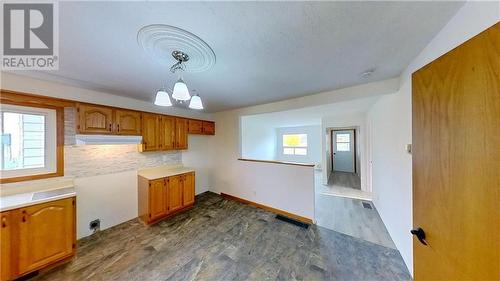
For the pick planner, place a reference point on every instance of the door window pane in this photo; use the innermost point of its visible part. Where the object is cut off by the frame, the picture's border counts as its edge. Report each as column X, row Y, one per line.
column 343, row 138
column 343, row 146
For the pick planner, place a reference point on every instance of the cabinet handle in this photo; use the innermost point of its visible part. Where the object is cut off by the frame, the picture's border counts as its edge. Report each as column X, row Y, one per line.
column 118, row 127
column 110, row 129
column 4, row 222
column 24, row 218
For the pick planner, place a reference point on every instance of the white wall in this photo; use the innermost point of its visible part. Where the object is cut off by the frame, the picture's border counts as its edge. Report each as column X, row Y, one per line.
column 258, row 138
column 199, row 157
column 390, row 121
column 313, row 144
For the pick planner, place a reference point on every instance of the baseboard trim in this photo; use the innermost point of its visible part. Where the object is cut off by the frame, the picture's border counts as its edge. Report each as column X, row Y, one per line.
column 267, row 208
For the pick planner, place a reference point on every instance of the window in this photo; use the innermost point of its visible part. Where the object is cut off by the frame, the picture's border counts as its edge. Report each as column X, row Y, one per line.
column 295, row 144
column 343, row 142
column 28, row 141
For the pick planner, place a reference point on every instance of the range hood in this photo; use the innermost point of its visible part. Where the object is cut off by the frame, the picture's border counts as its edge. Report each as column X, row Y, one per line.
column 106, row 139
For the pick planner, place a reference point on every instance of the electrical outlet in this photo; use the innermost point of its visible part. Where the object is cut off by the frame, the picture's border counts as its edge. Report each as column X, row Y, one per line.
column 95, row 225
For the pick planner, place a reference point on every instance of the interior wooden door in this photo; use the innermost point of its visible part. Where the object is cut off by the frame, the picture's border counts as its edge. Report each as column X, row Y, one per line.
column 128, row 122
column 46, row 233
column 167, row 132
column 181, row 133
column 174, row 186
column 456, row 162
column 94, row 119
column 5, row 246
column 188, row 189
column 157, row 199
column 150, row 131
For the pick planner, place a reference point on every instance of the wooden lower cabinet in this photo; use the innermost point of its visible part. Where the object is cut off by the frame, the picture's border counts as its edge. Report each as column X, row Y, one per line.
column 37, row 236
column 5, row 246
column 162, row 198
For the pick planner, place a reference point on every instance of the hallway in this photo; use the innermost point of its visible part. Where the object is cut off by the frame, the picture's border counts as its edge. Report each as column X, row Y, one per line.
column 349, row 215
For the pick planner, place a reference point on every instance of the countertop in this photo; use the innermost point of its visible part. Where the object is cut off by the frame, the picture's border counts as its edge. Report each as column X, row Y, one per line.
column 60, row 190
column 163, row 171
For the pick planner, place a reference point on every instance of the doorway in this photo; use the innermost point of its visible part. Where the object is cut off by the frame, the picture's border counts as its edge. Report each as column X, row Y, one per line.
column 344, row 158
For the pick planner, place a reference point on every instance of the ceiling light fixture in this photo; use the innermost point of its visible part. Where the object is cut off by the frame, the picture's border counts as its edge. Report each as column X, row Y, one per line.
column 367, row 73
column 162, row 98
column 195, row 102
column 160, row 40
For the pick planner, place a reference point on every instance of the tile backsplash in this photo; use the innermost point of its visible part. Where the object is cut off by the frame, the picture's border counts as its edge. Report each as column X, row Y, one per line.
column 92, row 160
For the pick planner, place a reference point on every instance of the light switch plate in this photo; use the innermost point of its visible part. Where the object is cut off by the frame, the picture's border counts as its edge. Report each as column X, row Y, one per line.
column 408, row 148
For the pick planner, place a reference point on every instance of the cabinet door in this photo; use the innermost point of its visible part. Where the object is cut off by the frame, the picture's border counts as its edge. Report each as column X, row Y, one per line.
column 195, row 126
column 157, row 199
column 5, row 246
column 128, row 122
column 46, row 233
column 167, row 132
column 188, row 189
column 181, row 130
column 174, row 197
column 93, row 119
column 208, row 128
column 150, row 131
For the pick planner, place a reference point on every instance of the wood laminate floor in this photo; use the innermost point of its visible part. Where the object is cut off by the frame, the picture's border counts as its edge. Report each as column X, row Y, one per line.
column 225, row 240
column 348, row 216
column 345, row 179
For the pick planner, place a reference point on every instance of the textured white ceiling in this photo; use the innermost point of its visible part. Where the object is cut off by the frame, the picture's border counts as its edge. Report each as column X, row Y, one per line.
column 266, row 51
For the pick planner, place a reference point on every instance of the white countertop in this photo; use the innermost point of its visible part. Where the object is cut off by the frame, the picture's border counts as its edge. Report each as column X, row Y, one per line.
column 59, row 191
column 163, row 171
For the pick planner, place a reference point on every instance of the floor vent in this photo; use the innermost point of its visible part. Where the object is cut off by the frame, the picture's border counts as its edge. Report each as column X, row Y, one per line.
column 367, row 205
column 292, row 221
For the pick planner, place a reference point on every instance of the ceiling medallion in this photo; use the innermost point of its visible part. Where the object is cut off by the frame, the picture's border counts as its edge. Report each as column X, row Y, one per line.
column 164, row 42
column 159, row 41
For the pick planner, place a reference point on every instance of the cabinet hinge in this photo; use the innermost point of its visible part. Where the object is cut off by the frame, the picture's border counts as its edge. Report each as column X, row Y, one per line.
column 149, row 185
column 74, row 245
column 73, row 202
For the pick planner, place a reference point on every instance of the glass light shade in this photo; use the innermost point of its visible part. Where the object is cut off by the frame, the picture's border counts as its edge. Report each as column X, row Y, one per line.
column 195, row 102
column 162, row 98
column 181, row 91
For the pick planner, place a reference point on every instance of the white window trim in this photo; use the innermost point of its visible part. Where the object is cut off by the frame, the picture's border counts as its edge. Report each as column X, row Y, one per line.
column 50, row 165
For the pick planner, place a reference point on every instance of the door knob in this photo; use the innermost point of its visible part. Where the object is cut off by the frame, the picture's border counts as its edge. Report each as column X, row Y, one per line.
column 419, row 232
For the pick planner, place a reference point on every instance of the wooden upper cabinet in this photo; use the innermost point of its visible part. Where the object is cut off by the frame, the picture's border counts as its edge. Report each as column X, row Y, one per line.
column 128, row 122
column 167, row 133
column 195, row 126
column 174, row 196
column 150, row 132
column 5, row 246
column 199, row 127
column 46, row 233
column 208, row 128
column 157, row 199
column 188, row 189
column 93, row 119
column 181, row 131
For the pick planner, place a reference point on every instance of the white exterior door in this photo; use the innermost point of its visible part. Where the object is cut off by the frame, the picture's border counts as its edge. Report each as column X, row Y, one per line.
column 343, row 151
